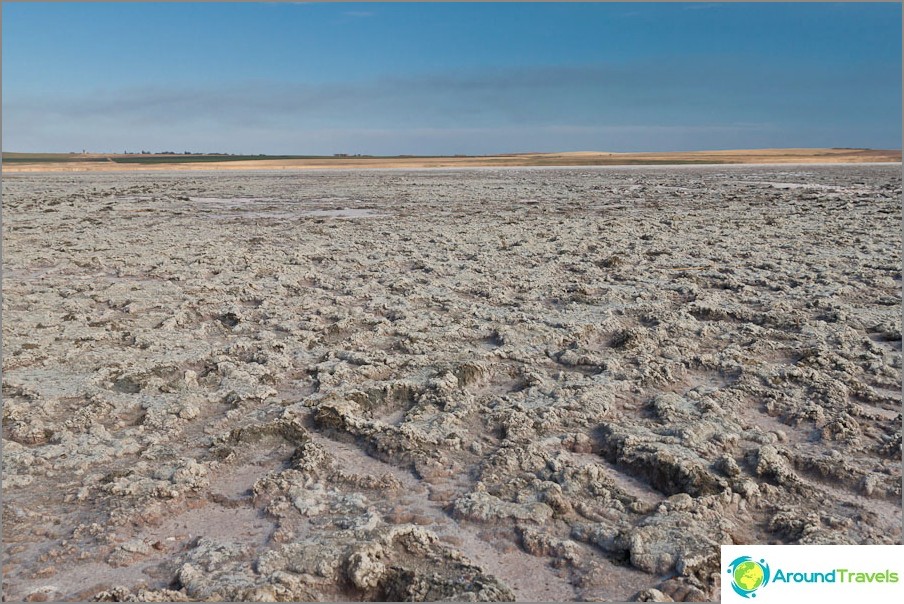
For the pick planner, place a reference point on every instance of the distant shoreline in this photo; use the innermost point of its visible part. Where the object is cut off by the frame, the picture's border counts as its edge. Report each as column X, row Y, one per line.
column 93, row 162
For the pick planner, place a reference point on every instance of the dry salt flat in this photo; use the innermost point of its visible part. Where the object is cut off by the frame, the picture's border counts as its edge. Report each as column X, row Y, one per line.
column 473, row 384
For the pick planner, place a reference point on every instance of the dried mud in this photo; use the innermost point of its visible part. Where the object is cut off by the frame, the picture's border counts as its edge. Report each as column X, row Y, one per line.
column 532, row 384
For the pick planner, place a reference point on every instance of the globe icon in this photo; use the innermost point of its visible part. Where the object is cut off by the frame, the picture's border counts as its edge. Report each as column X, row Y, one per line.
column 748, row 575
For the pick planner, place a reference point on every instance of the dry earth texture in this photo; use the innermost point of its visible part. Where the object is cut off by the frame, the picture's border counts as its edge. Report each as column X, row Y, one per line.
column 540, row 384
column 36, row 162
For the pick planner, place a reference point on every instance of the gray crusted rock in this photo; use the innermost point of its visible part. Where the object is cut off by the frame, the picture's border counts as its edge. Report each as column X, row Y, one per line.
column 364, row 567
column 483, row 507
column 651, row 595
column 668, row 468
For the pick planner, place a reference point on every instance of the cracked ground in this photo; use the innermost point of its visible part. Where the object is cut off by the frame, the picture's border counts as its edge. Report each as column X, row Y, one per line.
column 490, row 384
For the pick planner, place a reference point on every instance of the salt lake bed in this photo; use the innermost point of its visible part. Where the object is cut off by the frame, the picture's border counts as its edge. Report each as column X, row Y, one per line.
column 474, row 384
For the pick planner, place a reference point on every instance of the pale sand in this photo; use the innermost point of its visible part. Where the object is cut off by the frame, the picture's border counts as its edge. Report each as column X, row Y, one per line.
column 580, row 158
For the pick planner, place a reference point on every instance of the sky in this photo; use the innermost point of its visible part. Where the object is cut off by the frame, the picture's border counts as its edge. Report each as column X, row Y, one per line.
column 449, row 78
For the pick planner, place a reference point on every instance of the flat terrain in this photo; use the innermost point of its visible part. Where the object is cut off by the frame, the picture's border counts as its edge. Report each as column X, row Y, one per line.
column 56, row 162
column 495, row 384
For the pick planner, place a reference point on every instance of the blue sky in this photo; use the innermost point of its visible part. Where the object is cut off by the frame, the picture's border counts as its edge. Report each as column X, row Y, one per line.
column 450, row 78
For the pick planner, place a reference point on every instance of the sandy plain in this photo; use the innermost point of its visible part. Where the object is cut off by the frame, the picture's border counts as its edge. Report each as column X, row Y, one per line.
column 494, row 384
column 581, row 158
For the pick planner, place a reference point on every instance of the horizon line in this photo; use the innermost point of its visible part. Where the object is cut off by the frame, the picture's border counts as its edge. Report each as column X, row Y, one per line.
column 440, row 155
